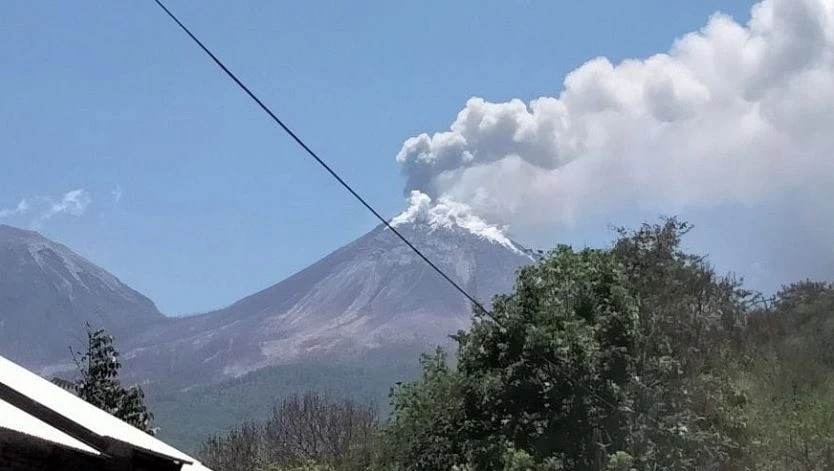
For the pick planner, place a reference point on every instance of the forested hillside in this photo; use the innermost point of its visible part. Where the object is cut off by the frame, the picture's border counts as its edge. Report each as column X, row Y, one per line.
column 635, row 357
column 186, row 417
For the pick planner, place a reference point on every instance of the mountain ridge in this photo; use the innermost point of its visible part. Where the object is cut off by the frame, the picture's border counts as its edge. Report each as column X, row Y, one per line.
column 369, row 294
column 372, row 294
column 367, row 309
column 48, row 293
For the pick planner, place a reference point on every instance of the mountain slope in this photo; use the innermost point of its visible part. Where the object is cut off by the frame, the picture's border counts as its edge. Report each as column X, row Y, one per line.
column 48, row 293
column 373, row 294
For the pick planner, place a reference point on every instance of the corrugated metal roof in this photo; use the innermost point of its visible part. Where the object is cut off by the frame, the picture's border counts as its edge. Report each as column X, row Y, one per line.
column 86, row 415
column 12, row 418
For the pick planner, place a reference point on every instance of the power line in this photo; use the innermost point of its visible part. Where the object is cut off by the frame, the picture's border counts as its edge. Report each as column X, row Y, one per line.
column 368, row 206
column 319, row 160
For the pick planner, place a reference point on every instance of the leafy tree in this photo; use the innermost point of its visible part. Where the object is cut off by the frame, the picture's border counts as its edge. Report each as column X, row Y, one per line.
column 427, row 417
column 548, row 369
column 99, row 382
column 598, row 359
column 544, row 376
column 792, row 382
column 691, row 323
column 636, row 357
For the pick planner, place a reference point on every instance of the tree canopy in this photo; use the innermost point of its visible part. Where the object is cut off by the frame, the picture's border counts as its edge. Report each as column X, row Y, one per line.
column 98, row 382
column 597, row 358
column 634, row 357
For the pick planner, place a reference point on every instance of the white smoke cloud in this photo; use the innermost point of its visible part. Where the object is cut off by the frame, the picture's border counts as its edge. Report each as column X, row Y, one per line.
column 450, row 214
column 21, row 208
column 731, row 114
column 74, row 203
column 40, row 209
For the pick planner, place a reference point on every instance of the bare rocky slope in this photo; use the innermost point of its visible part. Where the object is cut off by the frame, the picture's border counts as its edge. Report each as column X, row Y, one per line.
column 48, row 293
column 351, row 324
column 372, row 295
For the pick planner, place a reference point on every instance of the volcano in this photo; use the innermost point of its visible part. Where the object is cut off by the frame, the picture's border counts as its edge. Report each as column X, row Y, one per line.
column 372, row 295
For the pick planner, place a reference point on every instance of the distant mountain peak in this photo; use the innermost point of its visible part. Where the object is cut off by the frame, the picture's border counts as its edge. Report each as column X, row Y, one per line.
column 48, row 292
column 68, row 269
column 447, row 214
column 372, row 294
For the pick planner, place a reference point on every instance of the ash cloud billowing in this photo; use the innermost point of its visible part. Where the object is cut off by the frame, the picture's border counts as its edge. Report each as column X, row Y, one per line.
column 732, row 114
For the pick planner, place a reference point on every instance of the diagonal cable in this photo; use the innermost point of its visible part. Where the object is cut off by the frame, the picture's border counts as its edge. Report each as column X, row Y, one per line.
column 319, row 160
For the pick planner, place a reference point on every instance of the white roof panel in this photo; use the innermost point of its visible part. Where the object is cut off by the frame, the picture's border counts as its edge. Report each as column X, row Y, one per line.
column 88, row 416
column 12, row 418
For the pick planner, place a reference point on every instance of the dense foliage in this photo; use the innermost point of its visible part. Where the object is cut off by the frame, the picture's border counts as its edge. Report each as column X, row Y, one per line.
column 99, row 384
column 596, row 354
column 636, row 357
column 791, row 380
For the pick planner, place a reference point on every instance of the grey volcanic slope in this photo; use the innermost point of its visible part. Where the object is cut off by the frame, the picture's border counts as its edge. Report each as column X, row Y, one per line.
column 48, row 293
column 373, row 294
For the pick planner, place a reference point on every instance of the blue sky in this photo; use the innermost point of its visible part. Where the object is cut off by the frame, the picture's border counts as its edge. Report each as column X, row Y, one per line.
column 215, row 202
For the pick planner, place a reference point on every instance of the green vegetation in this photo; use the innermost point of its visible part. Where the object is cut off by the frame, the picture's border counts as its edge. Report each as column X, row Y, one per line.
column 185, row 418
column 99, row 384
column 600, row 359
column 637, row 357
